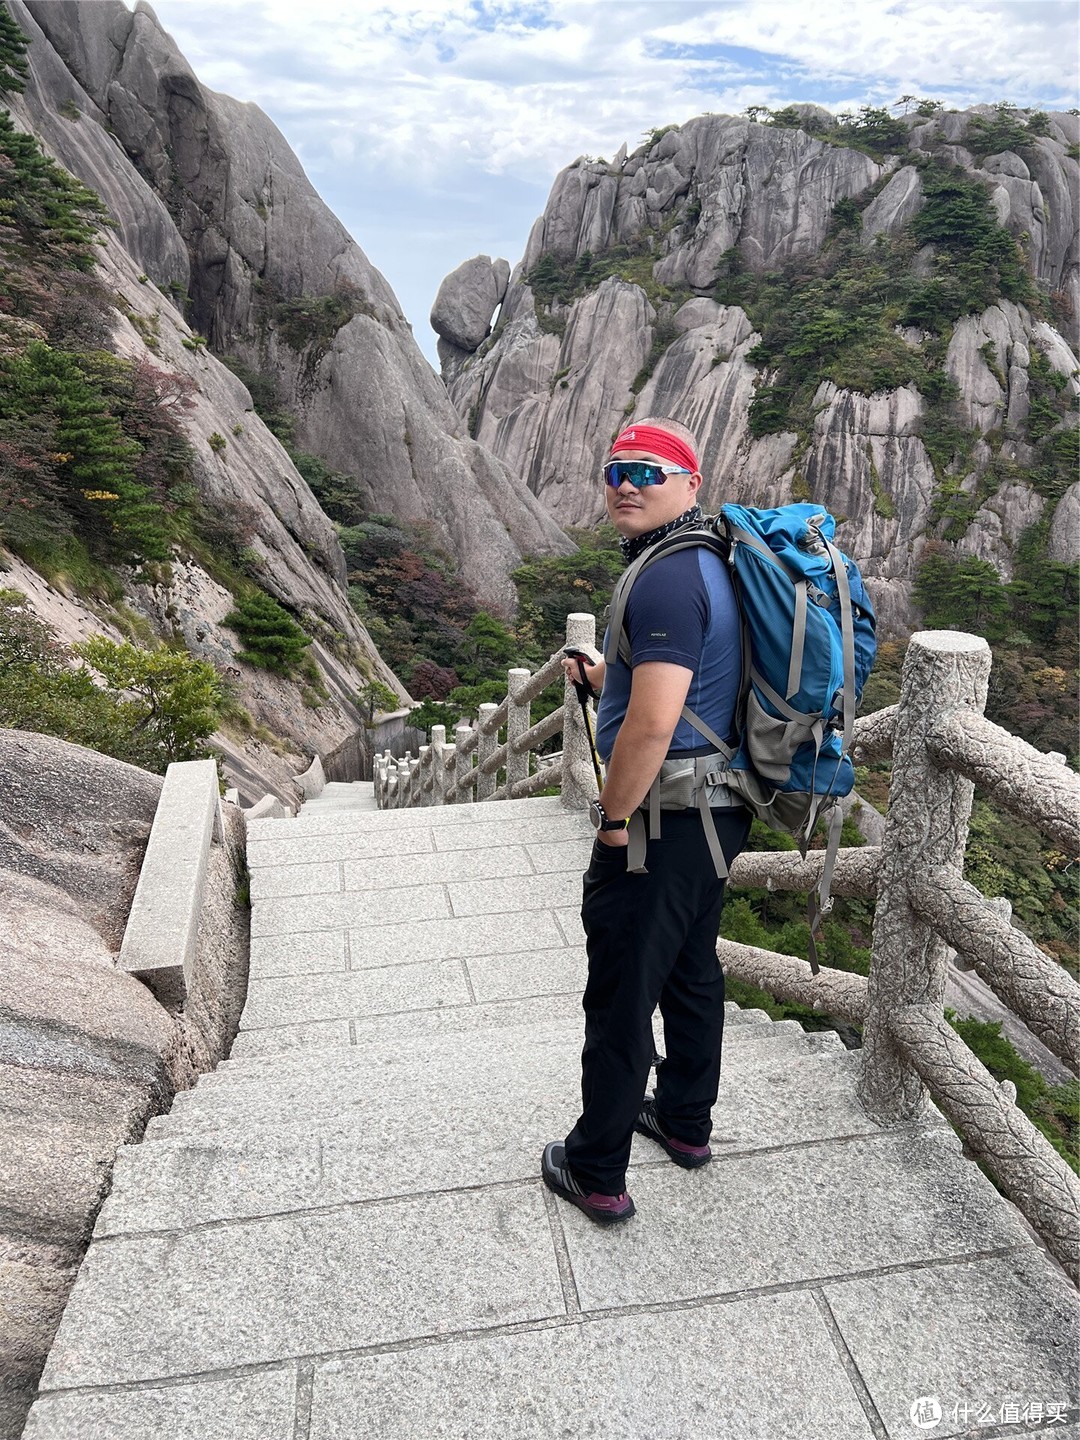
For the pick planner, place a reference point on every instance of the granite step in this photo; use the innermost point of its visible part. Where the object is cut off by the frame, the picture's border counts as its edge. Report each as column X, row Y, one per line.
column 538, row 1010
column 339, row 795
column 251, row 1291
column 511, row 1088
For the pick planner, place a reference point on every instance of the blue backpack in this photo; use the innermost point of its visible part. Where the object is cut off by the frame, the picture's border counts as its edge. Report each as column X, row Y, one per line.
column 808, row 646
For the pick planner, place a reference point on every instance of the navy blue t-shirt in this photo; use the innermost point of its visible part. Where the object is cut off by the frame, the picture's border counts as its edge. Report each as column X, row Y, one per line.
column 682, row 610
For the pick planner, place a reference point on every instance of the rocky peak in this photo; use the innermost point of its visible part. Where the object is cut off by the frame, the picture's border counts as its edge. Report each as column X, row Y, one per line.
column 619, row 305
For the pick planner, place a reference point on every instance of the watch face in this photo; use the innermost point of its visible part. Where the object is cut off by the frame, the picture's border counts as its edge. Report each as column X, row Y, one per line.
column 596, row 815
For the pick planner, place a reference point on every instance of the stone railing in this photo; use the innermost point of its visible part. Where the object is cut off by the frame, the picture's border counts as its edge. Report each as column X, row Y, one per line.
column 481, row 766
column 941, row 746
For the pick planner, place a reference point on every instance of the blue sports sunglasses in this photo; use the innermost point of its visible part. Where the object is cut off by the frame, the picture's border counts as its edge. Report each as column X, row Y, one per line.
column 639, row 473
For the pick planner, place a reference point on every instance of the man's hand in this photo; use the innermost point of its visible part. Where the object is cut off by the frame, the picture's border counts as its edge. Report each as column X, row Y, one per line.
column 658, row 693
column 594, row 673
column 616, row 839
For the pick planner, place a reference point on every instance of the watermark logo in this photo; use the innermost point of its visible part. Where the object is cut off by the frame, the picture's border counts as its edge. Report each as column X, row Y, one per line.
column 925, row 1412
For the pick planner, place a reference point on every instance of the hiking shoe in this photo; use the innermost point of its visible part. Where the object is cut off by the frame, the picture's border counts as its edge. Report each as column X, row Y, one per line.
column 604, row 1209
column 688, row 1156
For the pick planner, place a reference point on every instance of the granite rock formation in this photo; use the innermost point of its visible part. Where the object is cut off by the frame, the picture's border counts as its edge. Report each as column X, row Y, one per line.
column 555, row 381
column 87, row 1054
column 272, row 276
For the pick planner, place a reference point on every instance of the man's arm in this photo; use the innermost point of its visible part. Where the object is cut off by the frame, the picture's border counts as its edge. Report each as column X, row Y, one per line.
column 658, row 693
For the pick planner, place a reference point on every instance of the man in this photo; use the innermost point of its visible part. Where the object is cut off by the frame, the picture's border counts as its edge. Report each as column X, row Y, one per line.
column 651, row 937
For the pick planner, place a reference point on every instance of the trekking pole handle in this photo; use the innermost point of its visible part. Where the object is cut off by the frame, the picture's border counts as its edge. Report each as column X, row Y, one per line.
column 583, row 658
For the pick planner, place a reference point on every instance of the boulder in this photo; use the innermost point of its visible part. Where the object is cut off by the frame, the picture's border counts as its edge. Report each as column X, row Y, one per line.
column 87, row 1055
column 78, row 820
column 467, row 299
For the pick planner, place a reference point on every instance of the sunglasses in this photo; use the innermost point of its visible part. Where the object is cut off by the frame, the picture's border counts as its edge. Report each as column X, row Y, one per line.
column 639, row 473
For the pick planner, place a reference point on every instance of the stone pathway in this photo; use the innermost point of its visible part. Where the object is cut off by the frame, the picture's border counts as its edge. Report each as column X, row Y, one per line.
column 342, row 1232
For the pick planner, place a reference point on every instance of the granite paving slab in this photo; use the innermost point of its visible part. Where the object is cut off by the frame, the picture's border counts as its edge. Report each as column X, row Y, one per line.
column 461, row 936
column 293, row 849
column 293, row 913
column 791, row 1216
column 270, row 1046
column 259, row 1406
column 759, row 1369
column 389, row 872
column 560, row 854
column 513, row 895
column 569, row 919
column 402, row 1030
column 318, row 879
column 337, row 822
column 295, row 998
column 255, row 1291
column 530, row 830
column 281, row 1040
column 314, row 952
column 423, row 1067
column 997, row 1334
column 533, row 972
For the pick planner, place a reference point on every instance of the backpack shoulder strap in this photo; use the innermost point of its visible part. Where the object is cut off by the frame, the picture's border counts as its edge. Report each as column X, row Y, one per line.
column 618, row 642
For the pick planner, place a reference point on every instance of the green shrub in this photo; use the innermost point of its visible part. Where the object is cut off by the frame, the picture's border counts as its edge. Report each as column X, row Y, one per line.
column 271, row 638
column 175, row 707
column 1003, row 130
column 665, row 333
column 216, row 442
column 1053, row 1109
column 314, row 320
column 77, row 471
column 178, row 698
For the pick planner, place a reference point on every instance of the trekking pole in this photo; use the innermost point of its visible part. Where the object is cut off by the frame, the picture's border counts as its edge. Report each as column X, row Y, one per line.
column 584, row 691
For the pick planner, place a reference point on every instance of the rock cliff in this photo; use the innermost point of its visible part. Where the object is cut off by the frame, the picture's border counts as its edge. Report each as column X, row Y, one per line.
column 218, row 237
column 614, row 310
column 212, row 200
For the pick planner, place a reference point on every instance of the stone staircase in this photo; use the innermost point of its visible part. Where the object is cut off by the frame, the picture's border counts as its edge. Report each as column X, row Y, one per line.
column 342, row 1231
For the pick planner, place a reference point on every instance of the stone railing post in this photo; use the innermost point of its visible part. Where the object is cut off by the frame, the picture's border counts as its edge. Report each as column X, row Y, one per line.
column 517, row 723
column 401, row 765
column 486, row 745
column 926, row 829
column 438, row 765
column 578, row 779
column 414, row 782
column 424, row 775
column 462, row 764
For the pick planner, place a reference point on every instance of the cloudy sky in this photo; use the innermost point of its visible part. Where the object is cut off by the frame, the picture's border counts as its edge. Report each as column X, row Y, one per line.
column 434, row 129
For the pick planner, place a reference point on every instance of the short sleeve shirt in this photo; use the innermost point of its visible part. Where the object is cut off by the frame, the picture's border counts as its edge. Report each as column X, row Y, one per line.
column 682, row 610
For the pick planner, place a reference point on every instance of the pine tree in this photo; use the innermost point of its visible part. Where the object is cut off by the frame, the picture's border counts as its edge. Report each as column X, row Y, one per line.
column 13, row 47
column 46, row 208
column 94, row 460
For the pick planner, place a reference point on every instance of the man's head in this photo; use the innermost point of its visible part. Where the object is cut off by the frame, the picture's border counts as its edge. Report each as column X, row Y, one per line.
column 663, row 443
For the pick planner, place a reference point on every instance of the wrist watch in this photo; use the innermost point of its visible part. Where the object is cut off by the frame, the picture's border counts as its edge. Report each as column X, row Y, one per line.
column 599, row 817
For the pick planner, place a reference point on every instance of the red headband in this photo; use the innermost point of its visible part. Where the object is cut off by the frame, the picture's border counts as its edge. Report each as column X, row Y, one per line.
column 661, row 443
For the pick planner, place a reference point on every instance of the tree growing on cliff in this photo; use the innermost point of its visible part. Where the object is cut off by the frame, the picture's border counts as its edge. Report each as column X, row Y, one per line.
column 172, row 700
column 152, row 707
column 13, row 47
column 271, row 638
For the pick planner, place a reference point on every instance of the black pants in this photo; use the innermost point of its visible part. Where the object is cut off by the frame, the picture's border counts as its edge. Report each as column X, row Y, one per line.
column 651, row 939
